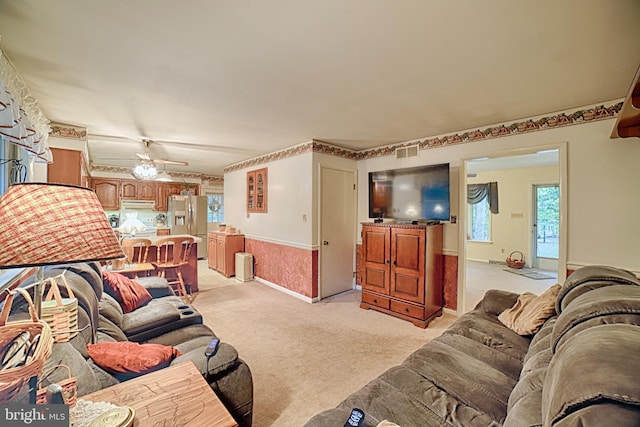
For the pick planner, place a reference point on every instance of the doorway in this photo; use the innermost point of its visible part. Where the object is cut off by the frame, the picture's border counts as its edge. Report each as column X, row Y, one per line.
column 337, row 231
column 545, row 226
column 520, row 173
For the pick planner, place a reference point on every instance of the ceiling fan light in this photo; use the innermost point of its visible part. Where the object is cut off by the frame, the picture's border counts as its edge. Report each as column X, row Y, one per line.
column 164, row 176
column 145, row 171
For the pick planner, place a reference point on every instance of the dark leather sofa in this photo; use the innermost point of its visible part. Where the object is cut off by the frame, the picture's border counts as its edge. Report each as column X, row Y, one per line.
column 166, row 320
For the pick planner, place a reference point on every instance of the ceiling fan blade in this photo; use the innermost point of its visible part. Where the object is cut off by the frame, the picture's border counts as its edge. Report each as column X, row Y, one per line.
column 170, row 162
column 144, row 156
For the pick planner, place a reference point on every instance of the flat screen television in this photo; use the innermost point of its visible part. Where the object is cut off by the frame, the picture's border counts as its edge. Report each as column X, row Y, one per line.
column 410, row 194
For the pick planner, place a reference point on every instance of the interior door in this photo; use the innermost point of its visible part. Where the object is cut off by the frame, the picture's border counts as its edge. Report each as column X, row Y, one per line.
column 337, row 231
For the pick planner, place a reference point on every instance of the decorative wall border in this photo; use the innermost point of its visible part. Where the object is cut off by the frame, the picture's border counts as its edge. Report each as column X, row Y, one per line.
column 125, row 170
column 60, row 130
column 551, row 121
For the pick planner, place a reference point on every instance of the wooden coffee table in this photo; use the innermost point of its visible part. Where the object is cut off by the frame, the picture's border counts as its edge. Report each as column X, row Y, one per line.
column 174, row 396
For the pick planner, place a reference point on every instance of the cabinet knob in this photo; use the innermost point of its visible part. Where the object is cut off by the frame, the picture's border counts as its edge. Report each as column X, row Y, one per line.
column 375, row 300
column 406, row 310
column 324, row 242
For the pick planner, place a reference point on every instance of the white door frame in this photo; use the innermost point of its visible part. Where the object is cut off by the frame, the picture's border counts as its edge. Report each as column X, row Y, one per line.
column 354, row 172
column 462, row 213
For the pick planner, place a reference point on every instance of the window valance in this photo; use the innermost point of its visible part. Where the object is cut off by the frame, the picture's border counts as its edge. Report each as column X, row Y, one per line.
column 477, row 193
column 21, row 120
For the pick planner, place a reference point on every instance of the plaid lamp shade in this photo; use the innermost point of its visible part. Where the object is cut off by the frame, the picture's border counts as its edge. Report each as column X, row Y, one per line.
column 45, row 224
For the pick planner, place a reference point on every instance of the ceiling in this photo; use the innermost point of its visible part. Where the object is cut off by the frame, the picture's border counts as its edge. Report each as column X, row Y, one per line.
column 218, row 82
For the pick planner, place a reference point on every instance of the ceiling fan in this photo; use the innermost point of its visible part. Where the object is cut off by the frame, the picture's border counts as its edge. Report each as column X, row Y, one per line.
column 145, row 157
column 146, row 168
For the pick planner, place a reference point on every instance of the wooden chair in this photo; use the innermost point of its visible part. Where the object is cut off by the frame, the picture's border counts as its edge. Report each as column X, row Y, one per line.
column 173, row 253
column 140, row 256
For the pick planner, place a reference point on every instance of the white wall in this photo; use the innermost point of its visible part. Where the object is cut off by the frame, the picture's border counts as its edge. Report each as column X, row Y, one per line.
column 603, row 187
column 290, row 197
column 509, row 233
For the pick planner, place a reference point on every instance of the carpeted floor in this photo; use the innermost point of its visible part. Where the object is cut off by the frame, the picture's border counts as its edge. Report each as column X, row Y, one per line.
column 304, row 357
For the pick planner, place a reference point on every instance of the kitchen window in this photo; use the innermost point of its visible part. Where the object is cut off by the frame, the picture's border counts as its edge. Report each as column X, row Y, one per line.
column 215, row 210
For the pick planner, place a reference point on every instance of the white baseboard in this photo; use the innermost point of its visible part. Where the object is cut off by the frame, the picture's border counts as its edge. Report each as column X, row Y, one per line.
column 450, row 311
column 286, row 291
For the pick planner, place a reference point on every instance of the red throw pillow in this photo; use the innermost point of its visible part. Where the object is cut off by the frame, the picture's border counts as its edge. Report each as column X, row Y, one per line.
column 129, row 293
column 130, row 359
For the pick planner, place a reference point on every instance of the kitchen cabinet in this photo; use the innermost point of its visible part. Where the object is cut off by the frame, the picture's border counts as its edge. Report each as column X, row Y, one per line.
column 403, row 270
column 68, row 167
column 163, row 191
column 138, row 190
column 222, row 249
column 257, row 193
column 112, row 190
column 108, row 192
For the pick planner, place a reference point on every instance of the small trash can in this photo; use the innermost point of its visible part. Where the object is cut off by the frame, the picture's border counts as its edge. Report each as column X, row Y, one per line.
column 244, row 266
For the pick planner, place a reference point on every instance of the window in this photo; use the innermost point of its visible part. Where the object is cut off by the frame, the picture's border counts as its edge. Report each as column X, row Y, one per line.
column 13, row 161
column 479, row 221
column 215, row 210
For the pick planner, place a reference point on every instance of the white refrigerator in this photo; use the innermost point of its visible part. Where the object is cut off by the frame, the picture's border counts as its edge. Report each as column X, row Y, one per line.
column 188, row 215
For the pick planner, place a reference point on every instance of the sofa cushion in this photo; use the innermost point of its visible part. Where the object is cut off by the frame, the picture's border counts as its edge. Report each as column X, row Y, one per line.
column 594, row 366
column 129, row 294
column 150, row 317
column 157, row 286
column 530, row 311
column 110, row 308
column 128, row 359
column 107, row 327
column 592, row 277
column 603, row 305
column 471, row 381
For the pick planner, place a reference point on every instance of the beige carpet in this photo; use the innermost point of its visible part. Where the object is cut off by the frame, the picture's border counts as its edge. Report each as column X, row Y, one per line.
column 304, row 357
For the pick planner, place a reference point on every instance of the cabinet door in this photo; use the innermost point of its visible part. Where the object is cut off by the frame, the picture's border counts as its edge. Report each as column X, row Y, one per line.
column 211, row 251
column 129, row 190
column 408, row 264
column 251, row 189
column 146, row 190
column 108, row 192
column 66, row 167
column 221, row 255
column 376, row 241
column 261, row 190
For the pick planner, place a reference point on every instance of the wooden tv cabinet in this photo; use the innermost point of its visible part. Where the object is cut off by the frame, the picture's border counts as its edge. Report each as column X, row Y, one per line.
column 403, row 270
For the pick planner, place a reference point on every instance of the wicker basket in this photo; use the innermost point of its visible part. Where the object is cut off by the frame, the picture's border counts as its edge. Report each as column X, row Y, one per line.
column 69, row 387
column 13, row 378
column 515, row 262
column 61, row 314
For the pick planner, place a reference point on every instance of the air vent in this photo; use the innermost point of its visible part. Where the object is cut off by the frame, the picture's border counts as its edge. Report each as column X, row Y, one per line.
column 411, row 151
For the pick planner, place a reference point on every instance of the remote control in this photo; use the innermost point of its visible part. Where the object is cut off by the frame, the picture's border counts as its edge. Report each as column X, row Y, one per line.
column 213, row 347
column 356, row 419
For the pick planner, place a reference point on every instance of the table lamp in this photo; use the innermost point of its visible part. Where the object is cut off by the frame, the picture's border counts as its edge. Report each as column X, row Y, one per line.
column 48, row 224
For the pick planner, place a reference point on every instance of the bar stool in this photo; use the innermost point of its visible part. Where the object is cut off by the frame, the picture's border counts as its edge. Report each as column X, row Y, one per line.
column 140, row 256
column 173, row 253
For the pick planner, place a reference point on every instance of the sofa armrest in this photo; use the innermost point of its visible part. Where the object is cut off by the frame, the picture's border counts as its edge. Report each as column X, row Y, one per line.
column 157, row 286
